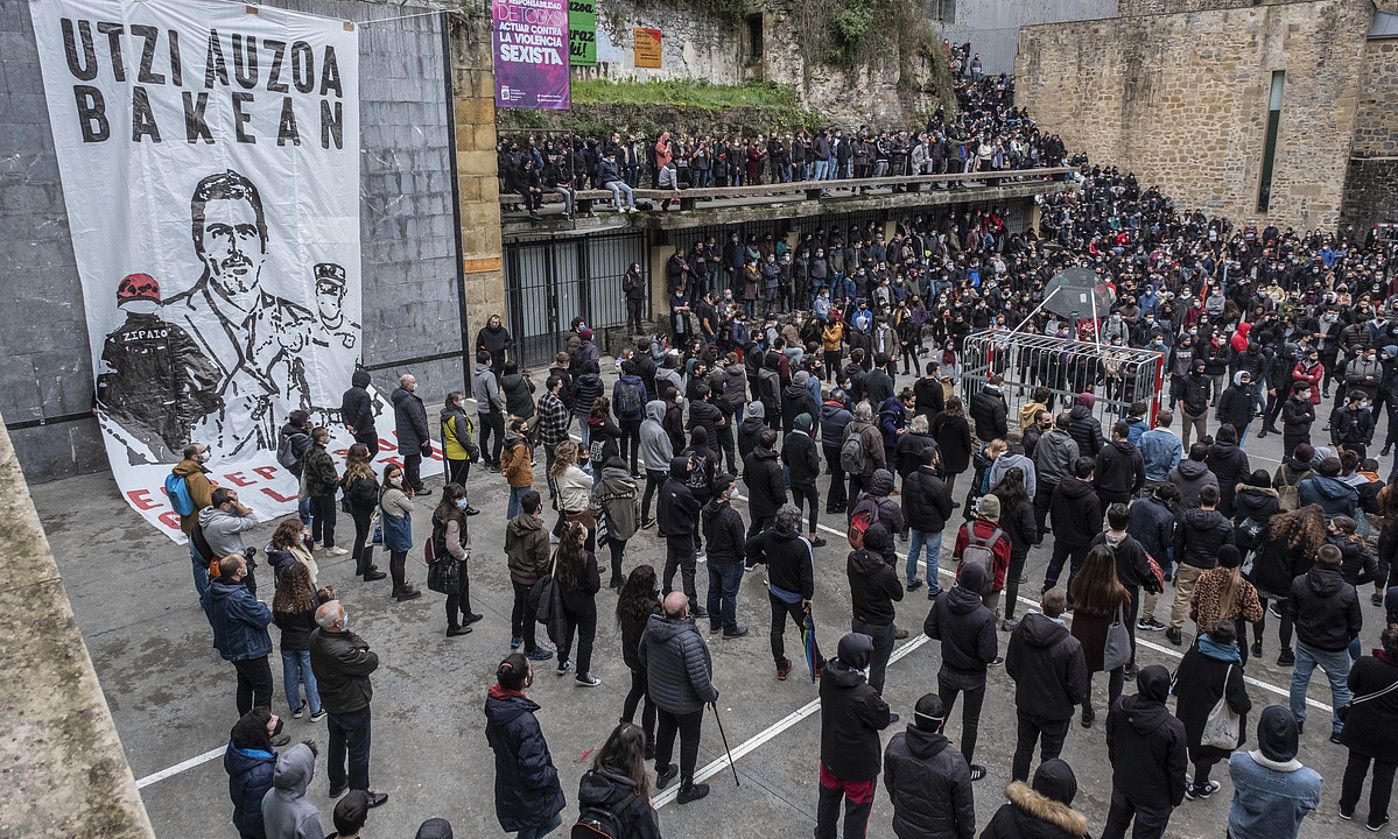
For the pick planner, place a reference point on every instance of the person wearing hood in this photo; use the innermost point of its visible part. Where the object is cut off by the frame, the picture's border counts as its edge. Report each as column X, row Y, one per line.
column 617, row 784
column 286, row 813
column 357, row 411
column 1255, row 500
column 1352, row 426
column 1211, row 670
column 528, row 796
column 679, row 680
column 790, row 579
column 527, row 555
column 1229, row 464
column 656, row 454
column 677, row 512
column 1015, row 458
column 1083, row 427
column 750, row 429
column 801, row 464
column 1237, row 404
column 927, row 780
column 1050, row 674
column 1326, row 611
column 851, row 716
column 410, row 424
column 874, row 588
column 495, row 339
column 518, row 390
column 1298, row 415
column 766, row 484
column 797, row 400
column 1192, row 475
column 1371, row 734
column 1054, row 457
column 1335, row 497
column 724, row 534
column 966, row 630
column 989, row 411
column 1077, row 519
column 1198, row 536
column 293, row 440
column 240, row 624
column 587, row 388
column 1272, row 791
column 834, row 417
column 616, row 503
column 250, row 762
column 1148, row 752
column 1194, row 389
column 1041, row 811
column 1120, row 469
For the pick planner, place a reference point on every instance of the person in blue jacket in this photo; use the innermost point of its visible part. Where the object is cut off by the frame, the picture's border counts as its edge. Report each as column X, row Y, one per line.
column 528, row 796
column 250, row 762
column 240, row 624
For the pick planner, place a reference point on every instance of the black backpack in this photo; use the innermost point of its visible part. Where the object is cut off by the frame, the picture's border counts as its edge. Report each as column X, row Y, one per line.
column 598, row 822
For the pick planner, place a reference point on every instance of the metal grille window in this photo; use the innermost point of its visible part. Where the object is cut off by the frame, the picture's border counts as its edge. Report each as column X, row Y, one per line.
column 1117, row 376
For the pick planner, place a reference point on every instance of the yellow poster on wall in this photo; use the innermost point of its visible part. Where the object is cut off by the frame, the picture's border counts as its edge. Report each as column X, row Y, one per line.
column 647, row 49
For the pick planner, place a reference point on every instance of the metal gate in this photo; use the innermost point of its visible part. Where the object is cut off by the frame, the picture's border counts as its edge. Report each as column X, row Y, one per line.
column 547, row 284
column 1116, row 376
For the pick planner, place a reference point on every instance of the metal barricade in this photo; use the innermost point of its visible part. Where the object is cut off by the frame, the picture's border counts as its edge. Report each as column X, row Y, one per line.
column 1116, row 376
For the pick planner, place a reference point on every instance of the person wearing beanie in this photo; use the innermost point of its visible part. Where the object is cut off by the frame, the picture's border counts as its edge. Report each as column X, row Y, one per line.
column 1041, row 811
column 928, row 782
column 966, row 630
column 1272, row 790
column 1371, row 730
column 1235, row 405
column 1221, row 594
column 1325, row 488
column 801, row 457
column 851, row 716
column 1229, row 463
column 984, row 534
column 1146, row 748
column 435, row 828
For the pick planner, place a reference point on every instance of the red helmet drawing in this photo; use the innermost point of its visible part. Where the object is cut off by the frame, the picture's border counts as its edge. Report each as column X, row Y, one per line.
column 138, row 287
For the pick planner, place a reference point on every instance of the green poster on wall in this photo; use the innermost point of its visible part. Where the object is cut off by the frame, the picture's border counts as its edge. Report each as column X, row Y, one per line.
column 582, row 33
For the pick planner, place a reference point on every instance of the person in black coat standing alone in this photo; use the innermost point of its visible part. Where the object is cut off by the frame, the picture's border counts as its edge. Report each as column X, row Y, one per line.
column 927, row 780
column 1050, row 675
column 1146, row 747
column 966, row 629
column 851, row 716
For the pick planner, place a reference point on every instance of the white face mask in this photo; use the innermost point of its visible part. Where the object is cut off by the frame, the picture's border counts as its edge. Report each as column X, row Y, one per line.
column 395, row 480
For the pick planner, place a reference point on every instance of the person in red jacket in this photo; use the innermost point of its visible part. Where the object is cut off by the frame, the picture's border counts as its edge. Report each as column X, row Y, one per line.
column 985, row 532
column 1310, row 370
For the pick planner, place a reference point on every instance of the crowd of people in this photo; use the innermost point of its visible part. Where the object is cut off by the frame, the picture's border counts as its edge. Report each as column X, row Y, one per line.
column 721, row 438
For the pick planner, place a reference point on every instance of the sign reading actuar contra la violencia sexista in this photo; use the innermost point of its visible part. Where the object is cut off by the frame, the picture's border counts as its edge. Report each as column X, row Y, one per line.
column 530, row 42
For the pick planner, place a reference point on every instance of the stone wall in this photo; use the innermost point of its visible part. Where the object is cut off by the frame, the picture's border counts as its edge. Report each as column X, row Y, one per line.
column 1181, row 100
column 1371, row 182
column 992, row 26
column 1165, row 7
column 407, row 229
column 694, row 45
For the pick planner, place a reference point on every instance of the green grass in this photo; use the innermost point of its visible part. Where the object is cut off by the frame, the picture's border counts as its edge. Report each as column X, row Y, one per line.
column 684, row 93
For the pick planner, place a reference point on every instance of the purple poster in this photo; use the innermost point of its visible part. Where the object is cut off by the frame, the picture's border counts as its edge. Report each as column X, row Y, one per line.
column 530, row 41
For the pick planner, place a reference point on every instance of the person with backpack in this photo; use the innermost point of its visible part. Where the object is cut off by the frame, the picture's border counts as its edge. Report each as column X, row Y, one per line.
column 1147, row 750
column 966, row 630
column 983, row 543
column 1210, row 673
column 616, row 506
column 835, row 416
column 528, row 795
column 188, row 488
column 629, row 404
column 851, row 716
column 861, row 450
column 396, row 512
column 293, row 441
column 927, row 505
column 321, row 482
column 790, row 580
column 928, row 781
column 875, row 505
column 614, row 795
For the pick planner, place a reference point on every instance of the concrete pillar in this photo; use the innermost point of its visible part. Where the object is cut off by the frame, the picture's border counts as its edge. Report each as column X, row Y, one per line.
column 659, row 297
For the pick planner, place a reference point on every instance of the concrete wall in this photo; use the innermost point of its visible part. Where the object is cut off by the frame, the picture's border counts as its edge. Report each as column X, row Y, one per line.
column 694, row 46
column 992, row 26
column 1181, row 100
column 1371, row 182
column 410, row 302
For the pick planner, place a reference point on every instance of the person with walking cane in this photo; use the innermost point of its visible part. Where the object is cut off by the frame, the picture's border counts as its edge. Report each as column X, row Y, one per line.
column 679, row 679
column 851, row 716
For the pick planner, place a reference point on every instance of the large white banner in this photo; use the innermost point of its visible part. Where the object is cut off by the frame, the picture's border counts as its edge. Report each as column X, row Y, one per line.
column 209, row 154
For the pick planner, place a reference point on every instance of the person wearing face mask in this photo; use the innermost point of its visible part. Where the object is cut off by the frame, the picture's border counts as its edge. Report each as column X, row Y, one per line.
column 195, row 476
column 1365, row 374
column 250, row 761
column 396, row 513
column 1352, row 427
column 342, row 663
column 240, row 624
column 451, row 541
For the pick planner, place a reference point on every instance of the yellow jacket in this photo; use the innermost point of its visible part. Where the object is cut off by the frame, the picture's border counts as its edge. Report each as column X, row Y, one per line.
column 831, row 336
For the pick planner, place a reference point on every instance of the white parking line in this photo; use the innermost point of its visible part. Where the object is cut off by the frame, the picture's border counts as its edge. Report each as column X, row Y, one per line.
column 180, row 767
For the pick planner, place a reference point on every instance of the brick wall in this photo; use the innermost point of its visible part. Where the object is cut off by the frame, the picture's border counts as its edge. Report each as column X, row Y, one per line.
column 1371, row 182
column 1181, row 100
column 410, row 299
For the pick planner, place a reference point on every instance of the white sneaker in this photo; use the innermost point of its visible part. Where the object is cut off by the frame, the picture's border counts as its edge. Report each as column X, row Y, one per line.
column 336, row 551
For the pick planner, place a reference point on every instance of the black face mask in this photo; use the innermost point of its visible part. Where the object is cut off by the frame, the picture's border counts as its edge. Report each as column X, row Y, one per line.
column 278, row 729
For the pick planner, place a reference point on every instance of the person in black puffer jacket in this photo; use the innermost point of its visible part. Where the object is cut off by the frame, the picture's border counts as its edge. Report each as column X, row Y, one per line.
column 988, row 411
column 1051, row 680
column 1148, row 752
column 927, row 780
column 967, row 631
column 1043, row 811
column 873, row 588
column 1084, row 428
column 250, row 762
column 679, row 680
column 801, row 457
column 1254, row 499
column 851, row 716
column 528, row 795
column 790, row 579
column 617, row 783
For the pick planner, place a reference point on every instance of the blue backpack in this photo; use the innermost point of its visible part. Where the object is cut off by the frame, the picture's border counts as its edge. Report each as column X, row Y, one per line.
column 177, row 490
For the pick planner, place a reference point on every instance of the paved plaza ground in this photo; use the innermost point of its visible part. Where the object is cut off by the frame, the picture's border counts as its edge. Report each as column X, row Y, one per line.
column 173, row 698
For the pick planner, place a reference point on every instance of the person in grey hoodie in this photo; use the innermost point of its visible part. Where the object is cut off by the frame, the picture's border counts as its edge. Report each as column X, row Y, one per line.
column 223, row 524
column 656, row 453
column 490, row 405
column 1054, row 456
column 1192, row 475
column 286, row 812
column 1014, row 459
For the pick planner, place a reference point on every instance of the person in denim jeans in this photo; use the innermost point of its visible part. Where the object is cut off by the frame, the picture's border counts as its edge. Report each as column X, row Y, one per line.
column 725, row 534
column 1327, row 617
column 926, row 508
column 294, row 613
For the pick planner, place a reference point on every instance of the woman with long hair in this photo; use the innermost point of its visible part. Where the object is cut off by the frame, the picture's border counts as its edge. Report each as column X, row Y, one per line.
column 1017, row 520
column 294, row 613
column 362, row 495
column 289, row 546
column 574, row 490
column 617, row 783
column 452, row 542
column 396, row 512
column 1288, row 551
column 1221, row 594
column 578, row 577
column 604, row 436
column 953, row 435
column 638, row 600
column 1212, row 669
column 1098, row 596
